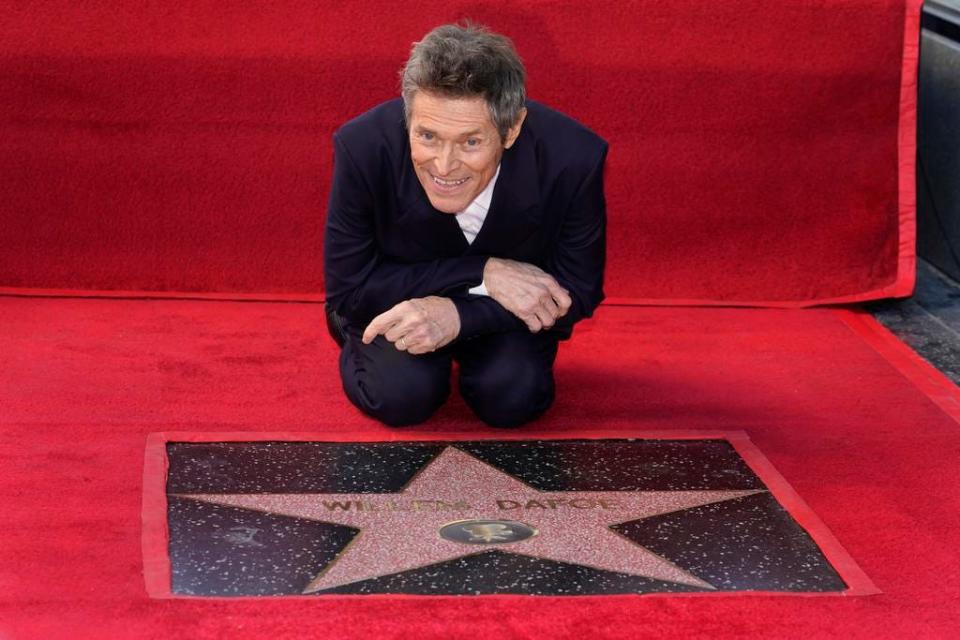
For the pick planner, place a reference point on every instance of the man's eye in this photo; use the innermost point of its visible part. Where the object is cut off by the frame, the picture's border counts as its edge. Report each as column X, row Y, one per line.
column 426, row 135
column 473, row 142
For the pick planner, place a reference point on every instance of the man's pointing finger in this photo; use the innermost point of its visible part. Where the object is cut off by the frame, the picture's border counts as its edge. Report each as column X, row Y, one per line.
column 378, row 325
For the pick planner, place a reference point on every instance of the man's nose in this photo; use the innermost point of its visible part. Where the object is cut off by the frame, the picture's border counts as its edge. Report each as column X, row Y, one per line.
column 447, row 160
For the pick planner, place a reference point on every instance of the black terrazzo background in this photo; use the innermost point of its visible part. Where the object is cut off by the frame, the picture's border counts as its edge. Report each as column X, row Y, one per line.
column 750, row 543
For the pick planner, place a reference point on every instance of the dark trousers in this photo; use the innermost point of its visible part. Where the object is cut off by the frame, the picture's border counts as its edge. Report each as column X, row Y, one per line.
column 506, row 378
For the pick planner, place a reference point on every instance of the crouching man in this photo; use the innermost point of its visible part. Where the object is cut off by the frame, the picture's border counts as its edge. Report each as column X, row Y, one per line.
column 465, row 223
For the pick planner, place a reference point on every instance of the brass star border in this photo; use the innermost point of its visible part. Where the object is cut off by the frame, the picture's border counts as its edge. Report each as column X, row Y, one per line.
column 398, row 532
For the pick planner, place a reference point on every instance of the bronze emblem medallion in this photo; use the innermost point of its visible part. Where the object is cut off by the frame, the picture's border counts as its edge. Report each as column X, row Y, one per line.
column 487, row 531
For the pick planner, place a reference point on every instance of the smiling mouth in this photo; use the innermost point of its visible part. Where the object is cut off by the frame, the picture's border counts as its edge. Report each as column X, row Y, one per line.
column 447, row 184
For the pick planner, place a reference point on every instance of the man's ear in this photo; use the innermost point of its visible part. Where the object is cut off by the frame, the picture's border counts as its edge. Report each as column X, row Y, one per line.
column 515, row 130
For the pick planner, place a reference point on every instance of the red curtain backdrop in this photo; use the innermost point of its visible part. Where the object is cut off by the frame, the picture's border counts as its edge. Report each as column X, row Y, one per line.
column 756, row 146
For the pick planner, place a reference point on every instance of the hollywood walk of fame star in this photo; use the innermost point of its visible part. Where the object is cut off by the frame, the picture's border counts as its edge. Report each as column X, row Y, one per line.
column 401, row 531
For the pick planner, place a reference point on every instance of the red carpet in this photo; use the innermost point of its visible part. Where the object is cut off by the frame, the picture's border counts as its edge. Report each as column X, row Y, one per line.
column 760, row 153
column 187, row 147
column 865, row 437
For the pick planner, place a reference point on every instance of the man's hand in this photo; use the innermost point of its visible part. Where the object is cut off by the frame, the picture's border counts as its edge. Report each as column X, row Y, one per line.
column 526, row 291
column 420, row 325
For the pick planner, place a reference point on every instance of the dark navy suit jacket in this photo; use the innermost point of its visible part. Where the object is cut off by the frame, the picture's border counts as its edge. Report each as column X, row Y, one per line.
column 385, row 243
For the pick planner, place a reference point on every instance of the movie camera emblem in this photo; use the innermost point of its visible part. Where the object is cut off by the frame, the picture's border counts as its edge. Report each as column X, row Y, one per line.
column 486, row 531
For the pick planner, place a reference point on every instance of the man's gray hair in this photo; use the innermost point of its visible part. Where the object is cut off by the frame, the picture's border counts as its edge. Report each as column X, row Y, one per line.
column 467, row 61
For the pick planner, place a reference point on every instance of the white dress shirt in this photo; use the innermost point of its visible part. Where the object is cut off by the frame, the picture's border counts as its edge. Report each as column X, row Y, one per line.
column 471, row 220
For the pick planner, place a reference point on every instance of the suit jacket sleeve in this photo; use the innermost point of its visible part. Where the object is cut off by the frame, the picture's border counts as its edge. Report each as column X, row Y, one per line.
column 360, row 282
column 577, row 262
column 580, row 257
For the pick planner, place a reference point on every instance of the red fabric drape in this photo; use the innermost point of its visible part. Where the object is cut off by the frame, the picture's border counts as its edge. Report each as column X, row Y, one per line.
column 761, row 152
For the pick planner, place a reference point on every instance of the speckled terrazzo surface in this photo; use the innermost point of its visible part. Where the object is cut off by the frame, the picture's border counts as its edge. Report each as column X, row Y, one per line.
column 571, row 517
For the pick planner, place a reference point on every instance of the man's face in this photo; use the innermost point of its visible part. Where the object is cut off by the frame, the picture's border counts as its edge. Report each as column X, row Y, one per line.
column 455, row 148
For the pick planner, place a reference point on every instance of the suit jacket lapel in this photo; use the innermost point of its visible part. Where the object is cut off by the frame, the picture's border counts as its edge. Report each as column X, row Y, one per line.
column 514, row 209
column 432, row 229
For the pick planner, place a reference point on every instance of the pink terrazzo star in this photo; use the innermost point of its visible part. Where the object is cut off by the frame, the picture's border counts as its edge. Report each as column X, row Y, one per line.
column 401, row 531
